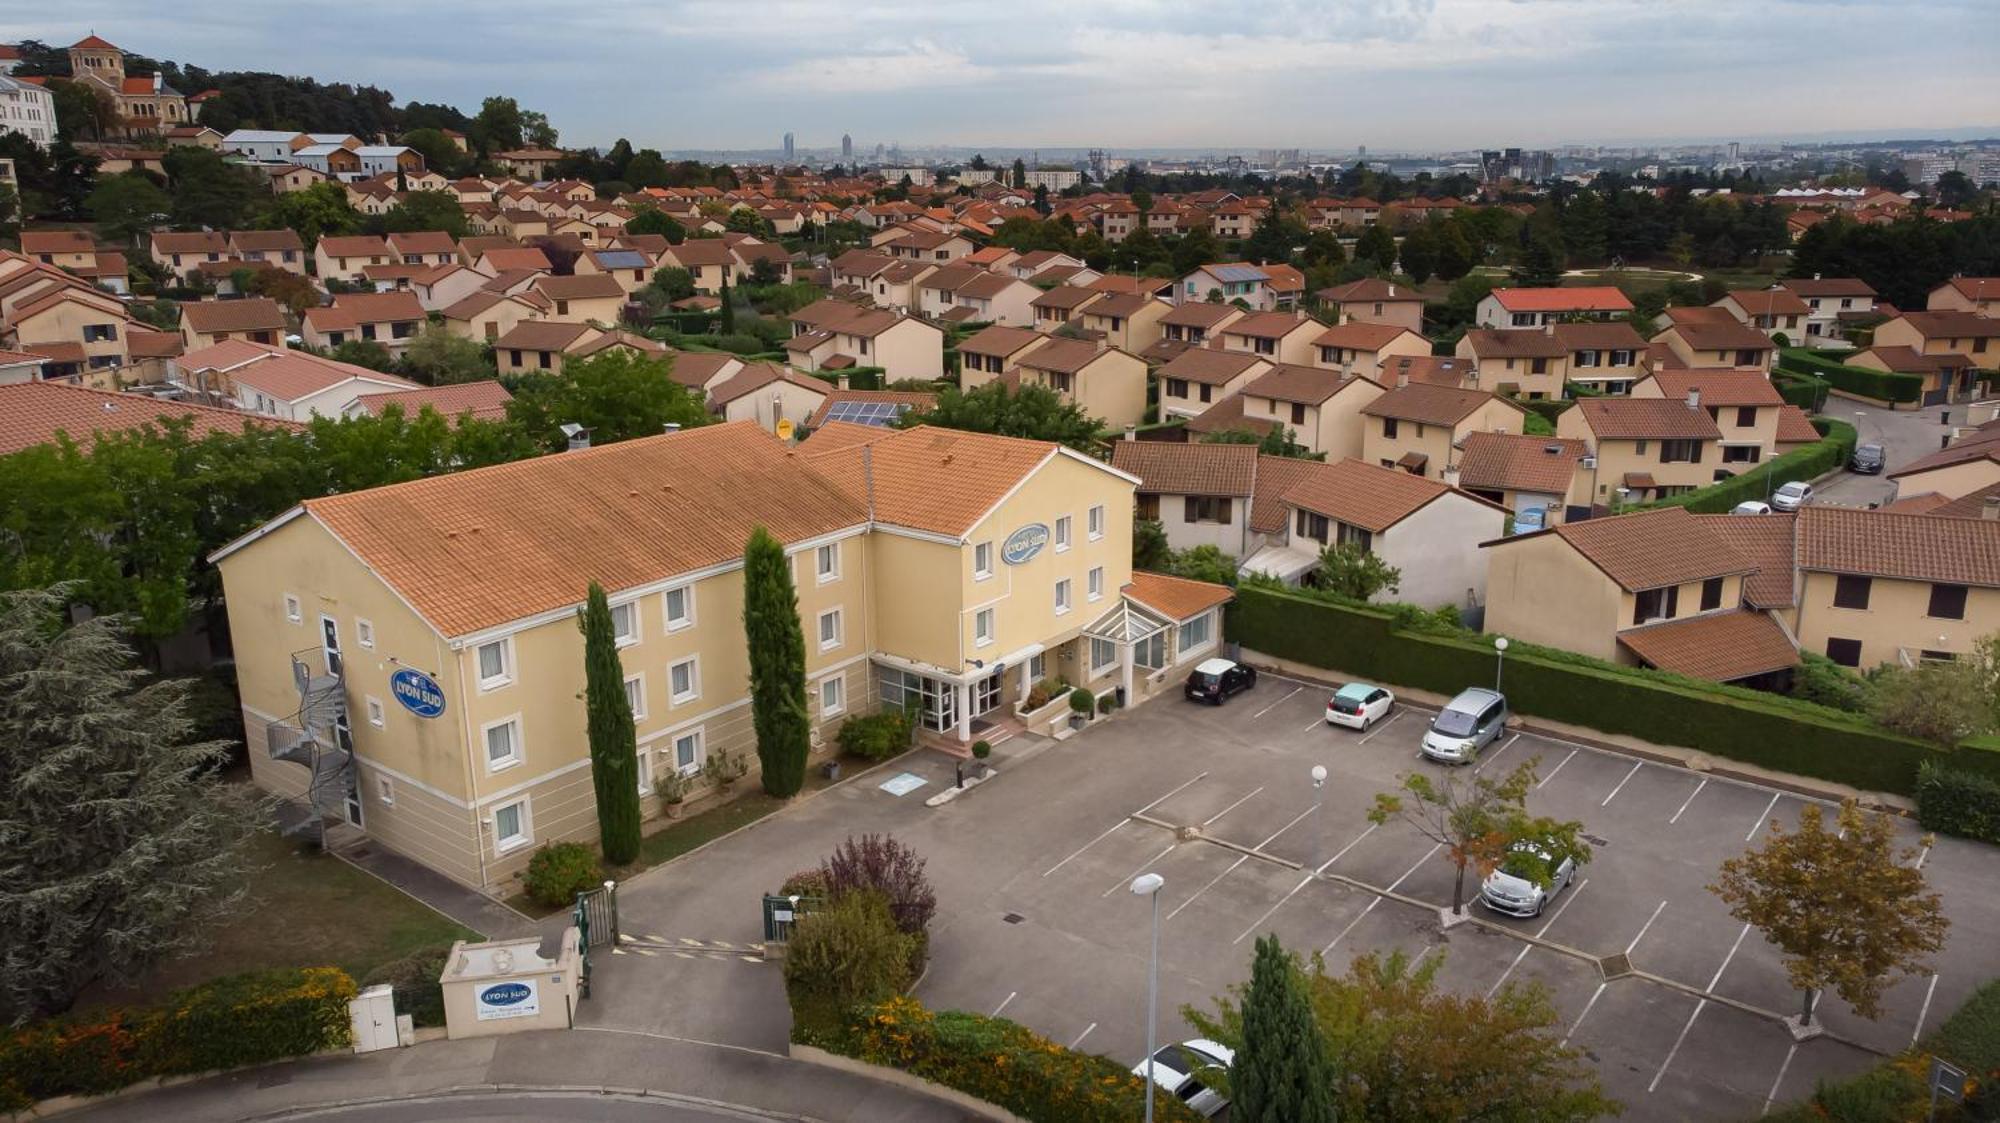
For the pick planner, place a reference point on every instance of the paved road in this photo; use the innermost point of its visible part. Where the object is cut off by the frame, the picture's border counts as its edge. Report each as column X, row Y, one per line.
column 1905, row 435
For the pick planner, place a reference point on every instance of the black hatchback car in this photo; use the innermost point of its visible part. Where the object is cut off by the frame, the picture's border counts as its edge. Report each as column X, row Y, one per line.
column 1867, row 458
column 1216, row 679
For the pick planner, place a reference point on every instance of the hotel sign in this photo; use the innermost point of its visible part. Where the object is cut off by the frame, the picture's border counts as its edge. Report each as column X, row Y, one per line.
column 507, row 1000
column 1024, row 543
column 418, row 692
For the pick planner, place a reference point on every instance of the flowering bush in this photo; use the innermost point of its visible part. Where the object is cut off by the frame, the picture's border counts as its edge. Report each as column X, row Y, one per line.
column 239, row 1020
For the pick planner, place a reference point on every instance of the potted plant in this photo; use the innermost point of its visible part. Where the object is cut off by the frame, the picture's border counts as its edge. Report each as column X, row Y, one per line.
column 1082, row 703
column 673, row 792
column 724, row 767
column 980, row 751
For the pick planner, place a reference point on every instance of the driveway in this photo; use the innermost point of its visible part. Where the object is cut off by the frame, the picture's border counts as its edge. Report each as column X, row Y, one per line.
column 1905, row 435
column 1035, row 921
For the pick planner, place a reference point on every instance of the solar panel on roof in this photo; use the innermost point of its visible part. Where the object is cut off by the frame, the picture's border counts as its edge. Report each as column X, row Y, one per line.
column 865, row 412
column 621, row 259
column 1236, row 273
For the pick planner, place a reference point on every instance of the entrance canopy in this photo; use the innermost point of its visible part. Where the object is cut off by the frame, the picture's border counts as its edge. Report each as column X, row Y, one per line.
column 1282, row 562
column 1125, row 623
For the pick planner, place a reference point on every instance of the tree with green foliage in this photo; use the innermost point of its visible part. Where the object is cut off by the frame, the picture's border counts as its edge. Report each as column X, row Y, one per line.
column 1203, row 563
column 1031, row 410
column 1149, row 545
column 1275, row 237
column 777, row 665
column 1195, row 249
column 1940, row 701
column 1455, row 256
column 1420, row 253
column 426, row 210
column 1280, row 1074
column 846, row 954
column 83, row 110
column 1352, row 570
column 1845, row 908
column 617, row 394
column 122, row 846
column 441, row 154
column 1377, row 247
column 728, row 299
column 674, row 282
column 614, row 744
column 438, row 356
column 652, row 220
column 1279, row 440
column 10, row 210
column 1479, row 821
column 127, row 206
column 319, row 211
column 1020, row 176
column 293, row 290
column 364, row 353
column 497, row 128
column 207, row 191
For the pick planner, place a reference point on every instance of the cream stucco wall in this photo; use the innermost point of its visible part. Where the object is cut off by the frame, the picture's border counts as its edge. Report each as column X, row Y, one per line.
column 1540, row 590
column 1952, row 480
column 1437, row 548
column 1896, row 621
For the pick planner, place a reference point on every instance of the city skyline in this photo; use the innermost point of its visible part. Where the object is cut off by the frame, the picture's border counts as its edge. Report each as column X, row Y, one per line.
column 1406, row 75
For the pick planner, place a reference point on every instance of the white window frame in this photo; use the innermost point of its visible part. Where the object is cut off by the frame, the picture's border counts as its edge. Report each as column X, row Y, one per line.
column 385, row 789
column 839, row 703
column 982, row 560
column 700, row 738
column 1097, row 668
column 1062, row 533
column 517, row 753
column 822, row 572
column 1094, row 522
column 1094, row 584
column 693, row 664
column 294, row 611
column 505, row 644
column 526, row 837
column 839, row 627
column 631, row 634
column 645, row 770
column 638, row 705
column 983, row 628
column 364, row 633
column 1038, row 664
column 1180, row 634
column 1065, row 598
column 377, row 716
column 687, row 604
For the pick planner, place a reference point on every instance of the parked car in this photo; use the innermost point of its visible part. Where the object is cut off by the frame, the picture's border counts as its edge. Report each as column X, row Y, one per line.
column 1179, row 1069
column 1867, row 459
column 1467, row 724
column 1359, row 705
column 1792, row 496
column 1751, row 507
column 1512, row 888
column 1214, row 680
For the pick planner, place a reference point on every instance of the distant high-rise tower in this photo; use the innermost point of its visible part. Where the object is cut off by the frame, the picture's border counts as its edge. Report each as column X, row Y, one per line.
column 790, row 148
column 846, row 149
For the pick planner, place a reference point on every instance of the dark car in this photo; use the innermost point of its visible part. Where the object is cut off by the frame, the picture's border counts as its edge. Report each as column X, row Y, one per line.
column 1216, row 679
column 1867, row 459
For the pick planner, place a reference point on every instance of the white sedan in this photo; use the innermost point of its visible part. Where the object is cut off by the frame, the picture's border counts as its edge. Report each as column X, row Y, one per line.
column 1359, row 705
column 1180, row 1068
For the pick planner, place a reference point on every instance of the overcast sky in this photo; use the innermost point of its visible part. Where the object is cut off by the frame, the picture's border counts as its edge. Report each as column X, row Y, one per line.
column 1389, row 74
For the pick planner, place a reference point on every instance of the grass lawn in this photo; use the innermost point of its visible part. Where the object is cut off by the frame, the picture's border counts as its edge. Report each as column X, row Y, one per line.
column 305, row 909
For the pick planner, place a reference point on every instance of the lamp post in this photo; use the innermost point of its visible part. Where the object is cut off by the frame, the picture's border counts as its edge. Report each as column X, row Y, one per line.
column 1499, row 660
column 1148, row 885
column 1319, row 803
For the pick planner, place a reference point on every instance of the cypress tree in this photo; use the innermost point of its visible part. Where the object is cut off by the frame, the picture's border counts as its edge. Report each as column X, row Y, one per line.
column 614, row 743
column 1281, row 1074
column 777, row 664
column 728, row 309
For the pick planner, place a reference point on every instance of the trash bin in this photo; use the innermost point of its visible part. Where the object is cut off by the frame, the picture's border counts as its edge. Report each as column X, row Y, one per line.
column 830, row 770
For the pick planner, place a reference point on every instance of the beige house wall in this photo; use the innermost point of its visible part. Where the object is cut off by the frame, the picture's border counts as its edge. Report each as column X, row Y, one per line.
column 494, row 322
column 1437, row 548
column 1113, row 386
column 792, row 401
column 911, row 349
column 1400, row 313
column 64, row 322
column 599, row 310
column 1540, row 590
column 1896, row 621
column 1953, row 481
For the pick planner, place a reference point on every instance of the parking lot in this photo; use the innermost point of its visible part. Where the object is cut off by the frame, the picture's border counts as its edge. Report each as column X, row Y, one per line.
column 1035, row 921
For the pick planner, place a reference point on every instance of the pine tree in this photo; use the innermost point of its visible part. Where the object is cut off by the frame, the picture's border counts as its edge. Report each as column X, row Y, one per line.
column 614, row 748
column 118, row 843
column 1282, row 1073
column 777, row 664
column 728, row 309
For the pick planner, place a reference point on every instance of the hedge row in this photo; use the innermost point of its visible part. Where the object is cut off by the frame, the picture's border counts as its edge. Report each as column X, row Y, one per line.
column 1005, row 1064
column 1766, row 730
column 1881, row 385
column 1808, row 463
column 240, row 1020
column 1806, row 391
column 1959, row 802
column 1898, row 1088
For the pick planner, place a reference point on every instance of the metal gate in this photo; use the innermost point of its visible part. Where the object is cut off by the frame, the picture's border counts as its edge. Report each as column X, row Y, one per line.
column 595, row 915
column 781, row 915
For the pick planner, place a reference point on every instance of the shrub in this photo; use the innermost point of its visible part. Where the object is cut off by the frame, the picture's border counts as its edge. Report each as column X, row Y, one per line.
column 415, row 979
column 1822, row 681
column 842, row 956
column 1044, row 692
column 230, row 1022
column 1004, row 1064
column 1896, row 1091
column 877, row 863
column 1881, row 385
column 876, row 736
column 1960, row 803
column 805, row 883
column 1082, row 701
column 982, row 749
column 558, row 871
column 1810, row 462
column 1107, row 702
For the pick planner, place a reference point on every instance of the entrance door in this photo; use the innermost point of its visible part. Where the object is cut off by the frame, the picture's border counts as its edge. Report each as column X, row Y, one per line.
column 986, row 694
column 329, row 632
column 343, row 736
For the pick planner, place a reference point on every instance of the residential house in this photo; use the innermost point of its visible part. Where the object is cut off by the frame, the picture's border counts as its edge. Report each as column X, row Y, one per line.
column 74, row 328
column 986, row 354
column 441, row 286
column 1538, row 478
column 632, row 269
column 1715, row 346
column 1108, row 383
column 1417, row 428
column 1199, row 377
column 832, row 334
column 707, row 260
column 1978, row 295
column 1320, row 408
column 1882, row 587
column 482, row 401
column 1362, row 347
column 423, row 247
column 933, row 247
column 1529, row 362
column 1032, row 264
column 279, row 249
column 28, row 108
column 1534, row 308
column 258, row 320
column 1373, row 301
column 486, row 316
column 279, row 382
column 1743, row 404
column 866, row 407
column 1197, row 325
column 39, row 413
column 1057, row 306
column 767, row 393
column 1967, row 465
column 995, row 298
column 531, row 164
column 546, row 345
column 265, row 146
column 1644, row 448
column 1833, row 304
column 1282, row 337
column 1966, row 334
column 1130, row 321
column 1200, row 494
column 1227, row 283
column 1605, row 357
column 72, row 250
column 588, row 297
column 391, row 319
column 501, row 261
column 1947, row 376
column 346, row 257
column 180, row 252
column 1773, row 311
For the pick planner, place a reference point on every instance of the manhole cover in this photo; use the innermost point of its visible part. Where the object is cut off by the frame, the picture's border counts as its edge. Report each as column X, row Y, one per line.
column 1614, row 966
column 1594, row 840
column 1013, row 918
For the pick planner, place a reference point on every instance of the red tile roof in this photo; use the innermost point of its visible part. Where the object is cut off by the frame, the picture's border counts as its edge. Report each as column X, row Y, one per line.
column 1718, row 646
column 33, row 413
column 1176, row 598
column 1193, row 468
column 1583, row 298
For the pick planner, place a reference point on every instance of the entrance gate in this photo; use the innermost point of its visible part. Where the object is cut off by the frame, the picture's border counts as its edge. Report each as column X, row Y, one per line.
column 595, row 915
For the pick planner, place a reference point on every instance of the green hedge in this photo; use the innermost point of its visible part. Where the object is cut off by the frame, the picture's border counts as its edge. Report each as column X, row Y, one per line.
column 1898, row 1089
column 1005, row 1064
column 1806, row 391
column 1548, row 408
column 1959, row 802
column 1881, row 385
column 1766, row 730
column 1808, row 463
column 235, row 1021
column 414, row 978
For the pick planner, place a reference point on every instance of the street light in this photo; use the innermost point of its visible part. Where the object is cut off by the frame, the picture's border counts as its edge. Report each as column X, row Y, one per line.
column 1319, row 802
column 1148, row 885
column 1499, row 660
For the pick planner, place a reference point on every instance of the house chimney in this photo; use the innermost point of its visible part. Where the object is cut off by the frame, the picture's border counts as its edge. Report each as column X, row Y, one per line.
column 1392, row 290
column 671, row 427
column 1694, row 397
column 579, row 437
column 1990, row 507
column 1402, row 379
column 1131, row 432
column 1815, row 276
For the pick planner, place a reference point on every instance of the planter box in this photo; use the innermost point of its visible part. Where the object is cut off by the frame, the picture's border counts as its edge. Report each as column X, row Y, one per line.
column 1052, row 713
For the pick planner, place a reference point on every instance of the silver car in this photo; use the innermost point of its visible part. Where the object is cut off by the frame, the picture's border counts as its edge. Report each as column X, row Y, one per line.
column 1467, row 724
column 1512, row 888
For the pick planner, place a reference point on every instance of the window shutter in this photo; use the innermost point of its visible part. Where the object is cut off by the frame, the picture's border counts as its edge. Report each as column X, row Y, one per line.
column 1223, row 506
column 1191, row 509
column 1673, row 601
column 1695, row 458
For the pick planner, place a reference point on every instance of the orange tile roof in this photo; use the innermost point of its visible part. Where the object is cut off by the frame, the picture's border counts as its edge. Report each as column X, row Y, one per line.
column 1178, row 468
column 1518, row 462
column 1719, row 387
column 1361, row 494
column 1900, row 546
column 1767, row 542
column 1227, row 416
column 256, row 313
column 1767, row 302
column 1211, row 367
column 910, row 399
column 487, row 400
column 1646, row 419
column 1176, row 598
column 1794, row 427
column 1428, row 404
column 1651, row 549
column 33, row 413
column 1718, row 646
column 477, row 549
column 1583, row 298
column 938, row 480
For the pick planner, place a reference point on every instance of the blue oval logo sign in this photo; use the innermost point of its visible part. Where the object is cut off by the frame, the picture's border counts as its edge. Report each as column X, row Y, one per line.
column 418, row 692
column 505, row 994
column 1024, row 543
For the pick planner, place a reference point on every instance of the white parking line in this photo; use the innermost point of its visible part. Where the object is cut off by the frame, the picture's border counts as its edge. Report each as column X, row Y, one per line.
column 1314, row 724
column 1303, row 882
column 1371, row 904
column 1086, row 846
column 1168, row 796
column 1286, row 827
column 1396, row 884
column 1343, row 850
column 1578, row 1023
column 1763, row 818
column 1004, row 1002
column 1206, row 888
column 1276, row 704
column 1084, row 1034
column 1773, row 1096
column 1127, row 879
column 1717, row 977
column 1690, row 799
column 1392, row 720
column 1671, row 1053
column 1501, row 981
column 1231, row 807
column 1646, row 928
column 1557, row 915
column 1922, row 853
column 1495, row 755
column 1622, row 783
column 1556, row 769
column 1926, row 1011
